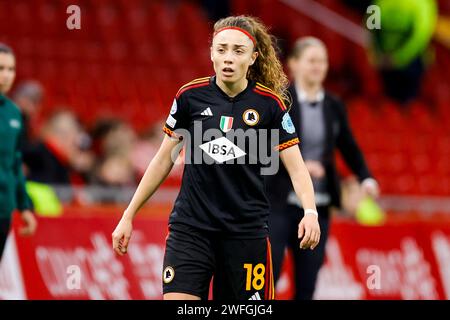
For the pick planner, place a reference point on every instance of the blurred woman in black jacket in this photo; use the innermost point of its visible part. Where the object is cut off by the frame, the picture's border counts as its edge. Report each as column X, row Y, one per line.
column 321, row 123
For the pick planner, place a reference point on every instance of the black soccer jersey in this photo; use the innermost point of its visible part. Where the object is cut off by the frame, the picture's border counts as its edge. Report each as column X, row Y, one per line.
column 228, row 141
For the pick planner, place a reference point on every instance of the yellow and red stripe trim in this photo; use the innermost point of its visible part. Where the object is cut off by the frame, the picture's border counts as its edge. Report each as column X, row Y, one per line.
column 171, row 133
column 263, row 90
column 195, row 81
column 269, row 293
column 287, row 144
column 168, row 131
column 193, row 84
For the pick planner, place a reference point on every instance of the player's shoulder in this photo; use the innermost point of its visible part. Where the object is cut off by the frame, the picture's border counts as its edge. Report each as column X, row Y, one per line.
column 269, row 95
column 193, row 85
column 10, row 105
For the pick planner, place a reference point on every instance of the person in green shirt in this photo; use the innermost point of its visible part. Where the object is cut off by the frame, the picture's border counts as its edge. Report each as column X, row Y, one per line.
column 12, row 182
column 401, row 44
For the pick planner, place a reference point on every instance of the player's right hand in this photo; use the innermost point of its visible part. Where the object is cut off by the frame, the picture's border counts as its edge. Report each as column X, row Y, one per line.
column 121, row 236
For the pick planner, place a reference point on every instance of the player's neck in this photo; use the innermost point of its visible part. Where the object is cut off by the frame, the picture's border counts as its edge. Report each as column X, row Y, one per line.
column 232, row 89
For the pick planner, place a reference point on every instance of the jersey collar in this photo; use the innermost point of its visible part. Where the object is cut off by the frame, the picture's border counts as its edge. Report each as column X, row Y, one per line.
column 250, row 85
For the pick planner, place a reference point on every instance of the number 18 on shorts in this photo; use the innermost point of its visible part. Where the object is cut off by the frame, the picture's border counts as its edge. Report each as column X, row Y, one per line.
column 241, row 269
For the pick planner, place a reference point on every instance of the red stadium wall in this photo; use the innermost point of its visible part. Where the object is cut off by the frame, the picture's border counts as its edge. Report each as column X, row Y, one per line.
column 407, row 260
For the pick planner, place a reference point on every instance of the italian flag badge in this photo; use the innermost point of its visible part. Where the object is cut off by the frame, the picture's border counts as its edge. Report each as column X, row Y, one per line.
column 226, row 123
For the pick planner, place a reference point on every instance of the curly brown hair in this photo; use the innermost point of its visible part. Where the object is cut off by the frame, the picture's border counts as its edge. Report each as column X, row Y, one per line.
column 267, row 68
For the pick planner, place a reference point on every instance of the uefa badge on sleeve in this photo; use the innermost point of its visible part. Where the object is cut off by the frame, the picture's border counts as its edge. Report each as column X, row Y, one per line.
column 173, row 110
column 287, row 124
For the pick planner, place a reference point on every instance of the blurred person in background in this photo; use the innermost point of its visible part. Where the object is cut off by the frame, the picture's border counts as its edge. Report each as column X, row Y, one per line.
column 400, row 45
column 113, row 179
column 60, row 158
column 146, row 148
column 114, row 143
column 13, row 194
column 115, row 171
column 112, row 136
column 28, row 96
column 321, row 122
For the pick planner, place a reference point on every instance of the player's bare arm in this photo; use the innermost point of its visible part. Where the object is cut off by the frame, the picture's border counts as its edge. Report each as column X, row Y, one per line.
column 156, row 173
column 308, row 229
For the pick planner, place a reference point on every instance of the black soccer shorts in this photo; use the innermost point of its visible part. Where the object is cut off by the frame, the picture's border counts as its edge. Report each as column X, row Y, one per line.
column 241, row 269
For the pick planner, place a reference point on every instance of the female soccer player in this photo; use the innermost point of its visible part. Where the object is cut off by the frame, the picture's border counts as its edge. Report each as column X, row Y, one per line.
column 218, row 226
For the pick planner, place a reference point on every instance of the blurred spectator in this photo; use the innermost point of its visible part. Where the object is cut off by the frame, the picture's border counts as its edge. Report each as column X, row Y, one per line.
column 115, row 171
column 28, row 96
column 112, row 180
column 146, row 148
column 112, row 136
column 59, row 158
column 400, row 45
column 114, row 142
column 320, row 120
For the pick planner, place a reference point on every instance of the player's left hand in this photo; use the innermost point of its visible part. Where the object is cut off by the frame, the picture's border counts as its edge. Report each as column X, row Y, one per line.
column 309, row 230
column 30, row 223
